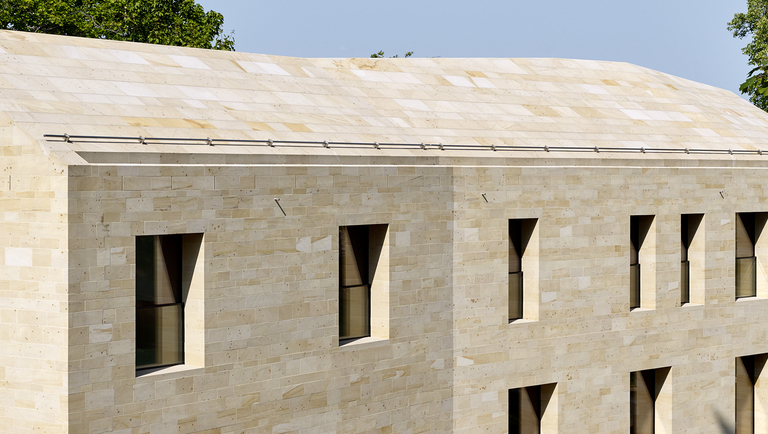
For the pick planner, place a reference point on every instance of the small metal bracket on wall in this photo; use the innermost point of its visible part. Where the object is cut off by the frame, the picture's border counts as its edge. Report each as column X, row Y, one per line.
column 277, row 201
column 486, row 199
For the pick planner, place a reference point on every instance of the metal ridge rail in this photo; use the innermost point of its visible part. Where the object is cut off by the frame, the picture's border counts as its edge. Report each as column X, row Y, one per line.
column 67, row 138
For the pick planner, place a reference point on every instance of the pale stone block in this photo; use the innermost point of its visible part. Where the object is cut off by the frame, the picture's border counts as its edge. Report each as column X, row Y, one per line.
column 19, row 257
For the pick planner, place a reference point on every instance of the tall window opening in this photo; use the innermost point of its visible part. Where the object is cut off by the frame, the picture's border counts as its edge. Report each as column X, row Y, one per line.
column 749, row 225
column 360, row 251
column 169, row 283
column 640, row 228
column 159, row 308
column 691, row 259
column 521, row 233
column 748, row 370
column 532, row 410
column 645, row 387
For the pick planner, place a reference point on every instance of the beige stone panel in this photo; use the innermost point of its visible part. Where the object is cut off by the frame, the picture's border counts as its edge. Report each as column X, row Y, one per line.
column 664, row 401
column 380, row 292
column 761, row 252
column 697, row 255
column 193, row 294
column 648, row 258
column 760, row 394
column 550, row 409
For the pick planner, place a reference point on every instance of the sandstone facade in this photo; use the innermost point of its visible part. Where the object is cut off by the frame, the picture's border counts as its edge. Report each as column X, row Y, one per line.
column 580, row 146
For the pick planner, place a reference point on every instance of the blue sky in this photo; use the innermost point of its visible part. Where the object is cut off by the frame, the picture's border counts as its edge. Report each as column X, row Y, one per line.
column 686, row 38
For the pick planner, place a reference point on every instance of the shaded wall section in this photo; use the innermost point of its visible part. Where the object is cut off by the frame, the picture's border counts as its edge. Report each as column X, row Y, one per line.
column 272, row 360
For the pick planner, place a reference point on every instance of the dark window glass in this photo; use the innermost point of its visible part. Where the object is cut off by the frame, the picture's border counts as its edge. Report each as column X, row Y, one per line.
column 514, row 410
column 354, row 283
column 515, row 246
column 515, row 283
column 159, row 307
column 634, row 239
column 685, row 238
column 515, row 295
column 159, row 336
column 634, row 265
column 634, row 286
column 685, row 282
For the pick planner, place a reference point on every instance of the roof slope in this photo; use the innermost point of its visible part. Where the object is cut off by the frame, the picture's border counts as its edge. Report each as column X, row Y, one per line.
column 57, row 85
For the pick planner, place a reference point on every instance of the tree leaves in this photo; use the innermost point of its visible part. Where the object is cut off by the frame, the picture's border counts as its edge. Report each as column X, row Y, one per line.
column 380, row 55
column 754, row 24
column 167, row 22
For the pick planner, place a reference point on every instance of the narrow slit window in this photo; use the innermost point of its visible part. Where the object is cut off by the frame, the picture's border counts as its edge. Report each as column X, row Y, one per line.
column 690, row 254
column 639, row 227
column 748, row 370
column 170, row 282
column 644, row 390
column 159, row 305
column 685, row 264
column 360, row 248
column 515, row 298
column 520, row 235
column 355, row 287
column 531, row 409
column 746, row 260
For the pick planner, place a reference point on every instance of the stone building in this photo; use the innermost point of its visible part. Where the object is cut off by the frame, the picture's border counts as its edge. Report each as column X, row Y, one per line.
column 202, row 241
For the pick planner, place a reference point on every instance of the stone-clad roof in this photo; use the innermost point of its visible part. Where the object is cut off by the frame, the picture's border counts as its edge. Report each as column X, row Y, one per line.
column 57, row 85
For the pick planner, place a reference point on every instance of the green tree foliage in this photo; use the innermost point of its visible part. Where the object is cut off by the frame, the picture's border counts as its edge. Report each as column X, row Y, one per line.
column 380, row 55
column 167, row 22
column 754, row 24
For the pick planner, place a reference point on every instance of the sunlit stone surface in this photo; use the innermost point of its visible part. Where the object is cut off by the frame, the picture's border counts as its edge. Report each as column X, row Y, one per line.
column 261, row 323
